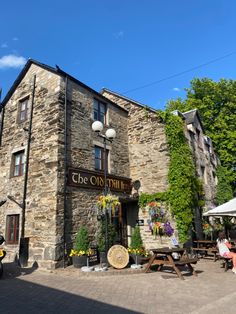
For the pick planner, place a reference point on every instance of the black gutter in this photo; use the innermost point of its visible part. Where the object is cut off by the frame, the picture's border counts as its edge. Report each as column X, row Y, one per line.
column 23, row 249
column 65, row 171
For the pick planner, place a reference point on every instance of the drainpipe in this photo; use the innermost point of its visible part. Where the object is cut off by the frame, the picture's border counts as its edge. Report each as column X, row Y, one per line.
column 2, row 118
column 65, row 172
column 23, row 253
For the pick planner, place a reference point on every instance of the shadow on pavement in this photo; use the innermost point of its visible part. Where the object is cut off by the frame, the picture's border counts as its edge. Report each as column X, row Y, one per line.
column 13, row 270
column 20, row 296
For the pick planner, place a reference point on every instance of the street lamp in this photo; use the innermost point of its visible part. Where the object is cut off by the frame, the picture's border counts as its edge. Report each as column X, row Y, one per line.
column 109, row 135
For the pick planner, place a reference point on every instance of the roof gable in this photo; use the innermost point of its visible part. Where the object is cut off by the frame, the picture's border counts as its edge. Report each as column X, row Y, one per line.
column 56, row 71
column 192, row 116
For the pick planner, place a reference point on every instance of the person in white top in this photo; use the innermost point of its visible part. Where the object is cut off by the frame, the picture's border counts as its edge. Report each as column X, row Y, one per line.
column 224, row 249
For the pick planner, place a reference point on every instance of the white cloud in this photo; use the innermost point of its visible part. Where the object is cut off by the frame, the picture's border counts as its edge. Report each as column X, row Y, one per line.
column 15, row 38
column 119, row 34
column 12, row 61
column 176, row 89
column 4, row 45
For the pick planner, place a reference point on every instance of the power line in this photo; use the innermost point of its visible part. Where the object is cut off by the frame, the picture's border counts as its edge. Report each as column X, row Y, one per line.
column 180, row 73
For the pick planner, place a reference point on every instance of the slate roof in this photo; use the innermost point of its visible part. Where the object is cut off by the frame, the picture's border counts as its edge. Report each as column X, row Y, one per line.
column 56, row 71
column 191, row 116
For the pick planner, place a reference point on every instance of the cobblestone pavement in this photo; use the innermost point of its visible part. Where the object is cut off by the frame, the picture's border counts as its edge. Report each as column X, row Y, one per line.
column 69, row 291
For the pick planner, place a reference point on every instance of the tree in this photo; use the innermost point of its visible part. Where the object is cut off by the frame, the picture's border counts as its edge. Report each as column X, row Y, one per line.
column 82, row 240
column 223, row 188
column 136, row 239
column 216, row 102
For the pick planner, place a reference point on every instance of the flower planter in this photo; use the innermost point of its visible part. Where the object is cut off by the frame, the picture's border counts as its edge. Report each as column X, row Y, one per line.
column 135, row 260
column 79, row 261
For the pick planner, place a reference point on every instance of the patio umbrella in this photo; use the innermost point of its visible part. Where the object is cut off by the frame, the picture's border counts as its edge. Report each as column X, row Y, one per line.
column 226, row 209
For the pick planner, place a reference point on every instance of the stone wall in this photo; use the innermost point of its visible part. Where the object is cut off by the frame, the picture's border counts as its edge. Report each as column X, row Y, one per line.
column 148, row 155
column 148, row 151
column 81, row 141
column 41, row 202
column 205, row 159
column 45, row 218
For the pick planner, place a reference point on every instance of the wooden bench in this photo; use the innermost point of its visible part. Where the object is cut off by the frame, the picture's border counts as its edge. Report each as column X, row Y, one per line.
column 207, row 251
column 226, row 262
column 185, row 261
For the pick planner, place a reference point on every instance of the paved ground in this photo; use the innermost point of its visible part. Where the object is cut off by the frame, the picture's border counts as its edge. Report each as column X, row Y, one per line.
column 69, row 291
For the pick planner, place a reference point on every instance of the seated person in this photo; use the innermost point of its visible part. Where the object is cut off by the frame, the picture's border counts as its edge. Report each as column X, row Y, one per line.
column 224, row 246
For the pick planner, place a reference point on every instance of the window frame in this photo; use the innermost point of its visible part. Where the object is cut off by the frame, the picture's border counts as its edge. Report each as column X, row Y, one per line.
column 25, row 111
column 102, row 117
column 14, row 220
column 101, row 158
column 21, row 164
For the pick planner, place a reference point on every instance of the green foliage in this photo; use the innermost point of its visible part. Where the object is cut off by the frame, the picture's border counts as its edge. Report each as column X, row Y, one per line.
column 145, row 198
column 185, row 189
column 82, row 240
column 223, row 189
column 102, row 234
column 216, row 102
column 136, row 240
column 183, row 185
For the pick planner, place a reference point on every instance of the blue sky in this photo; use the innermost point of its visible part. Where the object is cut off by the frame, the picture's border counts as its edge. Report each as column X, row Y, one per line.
column 122, row 45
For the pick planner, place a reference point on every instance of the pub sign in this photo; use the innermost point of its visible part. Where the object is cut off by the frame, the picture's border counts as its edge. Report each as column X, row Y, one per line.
column 79, row 177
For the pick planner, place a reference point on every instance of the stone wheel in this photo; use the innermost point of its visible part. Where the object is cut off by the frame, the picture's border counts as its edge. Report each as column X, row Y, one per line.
column 118, row 256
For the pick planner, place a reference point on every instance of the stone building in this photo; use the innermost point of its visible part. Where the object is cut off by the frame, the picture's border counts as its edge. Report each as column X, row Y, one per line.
column 149, row 157
column 52, row 162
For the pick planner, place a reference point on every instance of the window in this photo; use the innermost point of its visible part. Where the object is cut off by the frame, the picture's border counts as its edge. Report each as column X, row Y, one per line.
column 12, row 229
column 23, row 110
column 99, row 158
column 18, row 164
column 204, row 174
column 199, row 139
column 198, row 133
column 99, row 111
column 192, row 139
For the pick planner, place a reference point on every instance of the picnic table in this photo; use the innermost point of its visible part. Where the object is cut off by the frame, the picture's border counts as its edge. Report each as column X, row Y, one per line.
column 164, row 257
column 205, row 248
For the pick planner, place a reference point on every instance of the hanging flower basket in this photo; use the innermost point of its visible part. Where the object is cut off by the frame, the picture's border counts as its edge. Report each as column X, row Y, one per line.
column 108, row 203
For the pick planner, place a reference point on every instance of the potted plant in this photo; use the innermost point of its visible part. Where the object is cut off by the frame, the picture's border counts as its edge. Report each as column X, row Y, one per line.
column 136, row 248
column 81, row 249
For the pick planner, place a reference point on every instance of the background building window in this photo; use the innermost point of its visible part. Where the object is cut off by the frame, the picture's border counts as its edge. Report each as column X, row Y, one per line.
column 99, row 158
column 99, row 111
column 204, row 174
column 23, row 110
column 18, row 164
column 12, row 229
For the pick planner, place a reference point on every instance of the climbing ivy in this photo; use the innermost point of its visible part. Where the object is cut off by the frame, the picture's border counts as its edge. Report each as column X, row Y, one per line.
column 145, row 198
column 184, row 187
column 223, row 189
column 185, row 192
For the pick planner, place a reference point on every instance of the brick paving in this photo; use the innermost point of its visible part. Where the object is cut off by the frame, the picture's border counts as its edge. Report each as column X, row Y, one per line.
column 69, row 291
